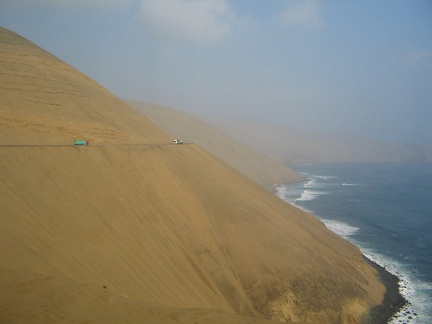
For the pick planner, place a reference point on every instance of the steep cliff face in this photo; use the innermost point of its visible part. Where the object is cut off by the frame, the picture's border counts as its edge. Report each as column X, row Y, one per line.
column 165, row 231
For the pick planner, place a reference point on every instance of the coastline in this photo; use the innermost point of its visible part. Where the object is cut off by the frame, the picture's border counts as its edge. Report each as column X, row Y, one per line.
column 393, row 300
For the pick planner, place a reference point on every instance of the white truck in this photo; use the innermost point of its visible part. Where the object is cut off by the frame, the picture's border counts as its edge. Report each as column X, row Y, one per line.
column 177, row 141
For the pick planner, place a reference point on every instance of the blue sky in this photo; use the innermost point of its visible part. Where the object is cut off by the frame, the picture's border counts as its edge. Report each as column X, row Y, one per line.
column 358, row 67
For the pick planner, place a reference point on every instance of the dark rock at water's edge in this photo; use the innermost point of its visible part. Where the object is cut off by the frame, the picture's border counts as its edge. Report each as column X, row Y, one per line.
column 393, row 300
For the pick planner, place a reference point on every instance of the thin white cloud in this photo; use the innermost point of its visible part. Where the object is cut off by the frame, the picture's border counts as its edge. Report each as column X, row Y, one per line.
column 305, row 13
column 194, row 20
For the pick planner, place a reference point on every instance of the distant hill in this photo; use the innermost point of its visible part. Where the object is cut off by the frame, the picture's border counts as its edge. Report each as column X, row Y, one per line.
column 242, row 157
column 134, row 229
column 296, row 146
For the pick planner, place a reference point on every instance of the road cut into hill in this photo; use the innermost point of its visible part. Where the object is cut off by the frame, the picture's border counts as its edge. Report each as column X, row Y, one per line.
column 155, row 233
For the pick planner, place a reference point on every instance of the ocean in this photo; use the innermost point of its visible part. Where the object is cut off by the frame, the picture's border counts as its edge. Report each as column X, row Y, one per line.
column 386, row 210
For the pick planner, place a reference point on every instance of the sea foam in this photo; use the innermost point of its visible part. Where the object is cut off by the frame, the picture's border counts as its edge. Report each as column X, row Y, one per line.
column 416, row 304
column 324, row 177
column 310, row 195
column 415, row 282
column 340, row 228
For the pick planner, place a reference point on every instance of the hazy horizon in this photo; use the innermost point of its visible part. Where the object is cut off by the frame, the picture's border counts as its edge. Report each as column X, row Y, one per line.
column 363, row 68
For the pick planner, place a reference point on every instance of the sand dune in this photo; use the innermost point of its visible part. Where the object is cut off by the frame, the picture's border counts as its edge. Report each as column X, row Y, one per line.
column 140, row 230
column 254, row 165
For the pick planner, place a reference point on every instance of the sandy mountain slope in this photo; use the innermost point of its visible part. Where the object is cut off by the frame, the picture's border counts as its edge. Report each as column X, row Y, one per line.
column 254, row 165
column 138, row 230
column 50, row 102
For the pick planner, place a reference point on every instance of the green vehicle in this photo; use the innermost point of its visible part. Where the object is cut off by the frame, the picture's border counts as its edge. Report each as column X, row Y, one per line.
column 81, row 142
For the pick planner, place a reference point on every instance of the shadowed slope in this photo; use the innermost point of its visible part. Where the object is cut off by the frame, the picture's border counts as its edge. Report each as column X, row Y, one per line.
column 128, row 226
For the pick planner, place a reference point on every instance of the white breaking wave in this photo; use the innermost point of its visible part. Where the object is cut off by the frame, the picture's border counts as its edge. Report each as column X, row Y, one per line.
column 415, row 291
column 310, row 183
column 323, row 177
column 310, row 195
column 418, row 303
column 317, row 181
column 340, row 228
column 281, row 191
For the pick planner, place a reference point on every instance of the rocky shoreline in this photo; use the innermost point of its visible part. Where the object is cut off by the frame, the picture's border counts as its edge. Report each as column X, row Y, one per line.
column 393, row 301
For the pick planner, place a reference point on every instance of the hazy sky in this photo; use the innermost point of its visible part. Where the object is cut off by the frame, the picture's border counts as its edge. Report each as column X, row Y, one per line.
column 362, row 67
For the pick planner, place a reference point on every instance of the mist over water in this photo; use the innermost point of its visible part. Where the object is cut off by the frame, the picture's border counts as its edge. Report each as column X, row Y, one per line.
column 384, row 209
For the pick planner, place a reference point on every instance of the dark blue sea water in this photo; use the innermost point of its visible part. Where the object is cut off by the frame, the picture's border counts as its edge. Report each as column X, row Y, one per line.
column 384, row 209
